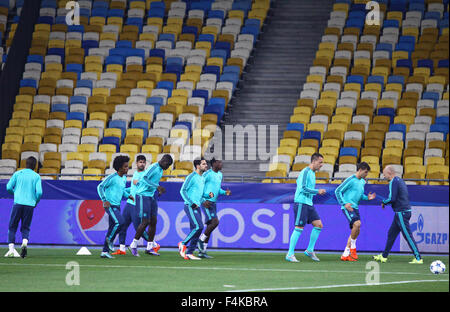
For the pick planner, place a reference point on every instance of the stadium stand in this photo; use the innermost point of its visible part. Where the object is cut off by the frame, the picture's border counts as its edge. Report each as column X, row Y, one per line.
column 374, row 93
column 134, row 77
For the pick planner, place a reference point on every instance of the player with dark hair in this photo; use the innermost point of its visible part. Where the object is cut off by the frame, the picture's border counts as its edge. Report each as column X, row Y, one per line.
column 348, row 195
column 147, row 205
column 304, row 211
column 26, row 186
column 192, row 192
column 130, row 214
column 399, row 201
column 111, row 191
column 213, row 180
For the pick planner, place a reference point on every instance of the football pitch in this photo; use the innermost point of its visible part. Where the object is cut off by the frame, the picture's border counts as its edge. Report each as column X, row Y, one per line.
column 51, row 269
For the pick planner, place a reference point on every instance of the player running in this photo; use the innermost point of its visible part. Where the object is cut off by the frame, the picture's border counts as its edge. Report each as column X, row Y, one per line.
column 213, row 180
column 304, row 211
column 26, row 186
column 111, row 191
column 349, row 194
column 147, row 205
column 130, row 213
column 192, row 192
column 399, row 201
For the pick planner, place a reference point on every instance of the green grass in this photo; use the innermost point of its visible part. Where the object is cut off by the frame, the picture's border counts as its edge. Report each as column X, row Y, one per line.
column 45, row 270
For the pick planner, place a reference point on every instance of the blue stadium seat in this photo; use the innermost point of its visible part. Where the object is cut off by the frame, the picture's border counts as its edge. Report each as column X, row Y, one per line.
column 234, row 78
column 114, row 59
column 232, row 69
column 157, row 5
column 156, row 12
column 387, row 111
column 85, row 84
column 78, row 99
column 296, row 127
column 141, row 124
column 100, row 5
column 431, row 96
column 201, row 93
column 119, row 124
column 28, row 83
column 251, row 30
column 442, row 120
column 212, row 69
column 167, row 85
column 396, row 79
column 376, row 79
column 174, row 60
column 426, row 63
column 116, row 13
column 75, row 116
column 219, row 53
column 60, row 108
column 158, row 52
column 398, row 128
column 207, row 38
column 216, row 14
column 348, row 151
column 391, row 23
column 440, row 128
column 316, row 135
column 113, row 141
column 217, row 109
column 356, row 79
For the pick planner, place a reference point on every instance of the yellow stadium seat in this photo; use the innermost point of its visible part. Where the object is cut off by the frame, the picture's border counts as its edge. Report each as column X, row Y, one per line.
column 92, row 171
column 289, row 142
column 306, row 150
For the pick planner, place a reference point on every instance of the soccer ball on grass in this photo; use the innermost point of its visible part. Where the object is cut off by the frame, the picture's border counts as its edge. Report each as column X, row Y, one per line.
column 437, row 267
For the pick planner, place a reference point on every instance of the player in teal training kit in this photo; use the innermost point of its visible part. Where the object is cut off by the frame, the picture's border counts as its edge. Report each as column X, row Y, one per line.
column 111, row 191
column 213, row 182
column 192, row 192
column 304, row 211
column 27, row 189
column 348, row 195
column 130, row 214
column 147, row 189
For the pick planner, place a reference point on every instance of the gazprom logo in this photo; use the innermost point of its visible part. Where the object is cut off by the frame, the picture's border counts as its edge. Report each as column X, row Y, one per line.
column 420, row 223
column 429, row 238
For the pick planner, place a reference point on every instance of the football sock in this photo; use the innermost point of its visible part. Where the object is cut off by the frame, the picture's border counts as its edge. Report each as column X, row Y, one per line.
column 294, row 239
column 150, row 245
column 313, row 238
column 122, row 247
column 203, row 237
column 11, row 246
column 134, row 243
column 25, row 242
column 352, row 243
column 346, row 252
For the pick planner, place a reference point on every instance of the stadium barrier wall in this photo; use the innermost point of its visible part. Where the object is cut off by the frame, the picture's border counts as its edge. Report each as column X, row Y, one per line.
column 256, row 216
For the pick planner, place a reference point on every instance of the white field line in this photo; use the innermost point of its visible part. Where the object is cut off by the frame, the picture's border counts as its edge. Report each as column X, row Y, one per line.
column 206, row 268
column 336, row 286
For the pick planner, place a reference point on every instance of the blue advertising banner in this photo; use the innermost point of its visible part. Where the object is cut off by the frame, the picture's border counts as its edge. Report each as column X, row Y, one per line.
column 256, row 216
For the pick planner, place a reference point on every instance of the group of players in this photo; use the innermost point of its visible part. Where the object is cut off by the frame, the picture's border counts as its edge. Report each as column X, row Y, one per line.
column 200, row 192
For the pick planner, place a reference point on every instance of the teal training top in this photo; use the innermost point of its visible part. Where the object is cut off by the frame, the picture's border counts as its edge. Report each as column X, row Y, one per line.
column 192, row 189
column 113, row 189
column 133, row 188
column 306, row 183
column 149, row 182
column 351, row 191
column 26, row 186
column 213, row 182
